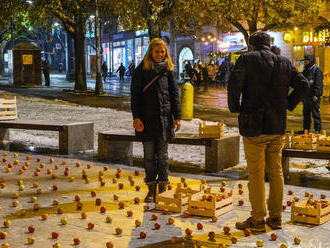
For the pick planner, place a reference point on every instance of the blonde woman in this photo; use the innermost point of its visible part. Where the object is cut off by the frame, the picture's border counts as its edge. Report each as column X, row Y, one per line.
column 156, row 112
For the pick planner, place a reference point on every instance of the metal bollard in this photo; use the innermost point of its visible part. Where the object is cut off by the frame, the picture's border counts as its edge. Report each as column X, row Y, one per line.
column 187, row 101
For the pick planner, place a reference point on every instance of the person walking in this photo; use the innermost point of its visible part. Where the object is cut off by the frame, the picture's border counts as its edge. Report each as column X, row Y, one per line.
column 311, row 103
column 121, row 69
column 258, row 90
column 104, row 68
column 45, row 71
column 156, row 112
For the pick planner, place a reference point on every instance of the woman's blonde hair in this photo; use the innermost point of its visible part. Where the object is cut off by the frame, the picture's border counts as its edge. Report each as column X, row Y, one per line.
column 148, row 62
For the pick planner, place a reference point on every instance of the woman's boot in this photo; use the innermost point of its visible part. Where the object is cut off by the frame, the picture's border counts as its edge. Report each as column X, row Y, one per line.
column 151, row 193
column 162, row 187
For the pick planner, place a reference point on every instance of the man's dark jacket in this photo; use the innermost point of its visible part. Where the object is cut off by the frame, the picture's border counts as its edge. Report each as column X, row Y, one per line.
column 315, row 77
column 158, row 105
column 251, row 78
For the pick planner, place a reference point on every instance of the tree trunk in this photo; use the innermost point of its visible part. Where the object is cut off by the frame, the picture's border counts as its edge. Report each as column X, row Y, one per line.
column 80, row 64
column 98, row 82
column 154, row 30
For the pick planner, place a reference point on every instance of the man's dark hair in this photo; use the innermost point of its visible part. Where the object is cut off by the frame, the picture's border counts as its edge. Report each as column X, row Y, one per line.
column 259, row 38
column 276, row 50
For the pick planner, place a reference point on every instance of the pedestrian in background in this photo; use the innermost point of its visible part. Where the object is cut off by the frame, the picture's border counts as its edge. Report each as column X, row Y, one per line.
column 121, row 69
column 156, row 112
column 258, row 89
column 312, row 100
column 45, row 71
column 104, row 68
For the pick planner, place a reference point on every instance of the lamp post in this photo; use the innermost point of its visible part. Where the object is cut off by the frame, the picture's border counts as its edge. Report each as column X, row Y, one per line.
column 12, row 24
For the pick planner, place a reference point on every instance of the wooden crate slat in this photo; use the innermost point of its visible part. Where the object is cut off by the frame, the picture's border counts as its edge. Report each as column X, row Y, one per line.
column 8, row 113
column 8, row 108
column 301, row 213
column 8, row 117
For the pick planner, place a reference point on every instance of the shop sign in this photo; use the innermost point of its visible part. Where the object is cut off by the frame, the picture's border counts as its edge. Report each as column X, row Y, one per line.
column 321, row 36
column 141, row 32
column 27, row 59
column 287, row 36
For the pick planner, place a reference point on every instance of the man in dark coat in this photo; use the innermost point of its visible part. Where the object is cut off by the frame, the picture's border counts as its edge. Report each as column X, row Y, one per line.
column 104, row 68
column 45, row 71
column 312, row 100
column 121, row 70
column 263, row 80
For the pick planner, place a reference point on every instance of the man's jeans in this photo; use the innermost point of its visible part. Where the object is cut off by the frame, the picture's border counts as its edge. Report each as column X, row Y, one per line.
column 156, row 160
column 311, row 107
column 262, row 151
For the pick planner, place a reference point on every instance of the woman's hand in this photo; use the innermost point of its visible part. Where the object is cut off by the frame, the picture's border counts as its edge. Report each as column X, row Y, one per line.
column 138, row 125
column 176, row 125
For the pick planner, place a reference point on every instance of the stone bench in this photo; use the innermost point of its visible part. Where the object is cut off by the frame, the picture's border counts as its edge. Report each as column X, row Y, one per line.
column 220, row 153
column 73, row 136
column 293, row 153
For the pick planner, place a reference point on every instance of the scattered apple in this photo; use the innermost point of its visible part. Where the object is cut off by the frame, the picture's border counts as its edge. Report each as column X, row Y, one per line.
column 136, row 173
column 79, row 206
column 55, row 202
column 199, row 226
column 60, row 210
column 283, row 208
column 143, row 235
column 247, row 232
column 119, row 231
column 233, row 240
column 109, row 244
column 121, row 205
column 55, row 235
column 44, row 216
column 296, row 240
column 103, row 210
column 289, row 203
column 76, row 241
column 31, row 240
column 283, row 245
column 165, row 211
column 322, row 196
column 222, row 189
column 54, row 176
column 211, row 235
column 108, row 219
column 290, row 192
column 273, row 236
column 57, row 245
column 121, row 186
column 136, row 200
column 15, row 203
column 169, row 187
column 55, row 187
column 214, row 219
column 83, row 215
column 35, row 184
column 186, row 214
column 157, row 226
column 38, row 160
column 154, row 217
column 98, row 201
column 240, row 202
column 5, row 245
column 129, row 213
column 36, row 207
column 93, row 194
column 117, row 175
column 64, row 221
column 137, row 188
column 77, row 198
column 78, row 164
column 296, row 198
column 203, row 181
column 137, row 223
column 240, row 191
column 114, row 180
column 15, row 195
column 39, row 191
column 170, row 221
column 31, row 229
column 226, row 229
column 188, row 232
column 115, row 197
column 3, row 235
column 260, row 243
column 90, row 225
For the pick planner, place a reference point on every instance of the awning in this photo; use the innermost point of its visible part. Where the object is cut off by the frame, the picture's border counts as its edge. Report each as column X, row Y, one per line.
column 233, row 49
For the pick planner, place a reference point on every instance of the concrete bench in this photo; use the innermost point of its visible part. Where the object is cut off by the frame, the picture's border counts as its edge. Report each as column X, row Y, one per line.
column 73, row 136
column 293, row 153
column 219, row 153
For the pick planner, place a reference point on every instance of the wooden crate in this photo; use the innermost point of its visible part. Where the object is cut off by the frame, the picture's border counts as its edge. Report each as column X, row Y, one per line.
column 306, row 141
column 288, row 139
column 175, row 200
column 310, row 214
column 8, row 108
column 210, row 130
column 220, row 203
column 323, row 144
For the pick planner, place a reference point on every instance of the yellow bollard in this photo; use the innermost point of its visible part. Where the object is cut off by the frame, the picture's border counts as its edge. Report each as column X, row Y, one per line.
column 187, row 101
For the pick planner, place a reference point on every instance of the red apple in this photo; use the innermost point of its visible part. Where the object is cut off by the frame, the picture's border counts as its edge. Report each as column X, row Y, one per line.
column 169, row 187
column 290, row 192
column 289, row 203
column 154, row 217
column 44, row 216
column 56, row 167
column 283, row 208
column 115, row 197
column 240, row 202
column 109, row 244
column 105, row 168
column 143, row 235
column 114, row 180
column 322, row 196
column 186, row 214
column 157, row 226
column 77, row 198
column 226, row 229
column 98, row 201
column 78, row 164
column 83, row 215
column 119, row 170
column 129, row 213
column 31, row 229
column 222, row 189
column 211, row 235
column 240, row 186
column 170, row 221
column 55, row 187
column 103, row 210
column 199, row 226
column 240, row 191
column 90, row 225
column 55, row 202
column 119, row 231
column 121, row 186
column 136, row 173
column 188, row 232
column 76, row 241
column 136, row 200
column 54, row 176
column 233, row 240
column 121, row 205
column 3, row 235
column 273, row 236
column 137, row 188
column 55, row 235
column 137, row 223
column 117, row 175
column 93, row 194
column 165, row 211
column 60, row 210
column 38, row 160
column 247, row 232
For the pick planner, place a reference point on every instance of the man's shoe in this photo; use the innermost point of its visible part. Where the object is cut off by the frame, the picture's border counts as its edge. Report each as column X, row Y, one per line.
column 151, row 193
column 252, row 224
column 274, row 222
